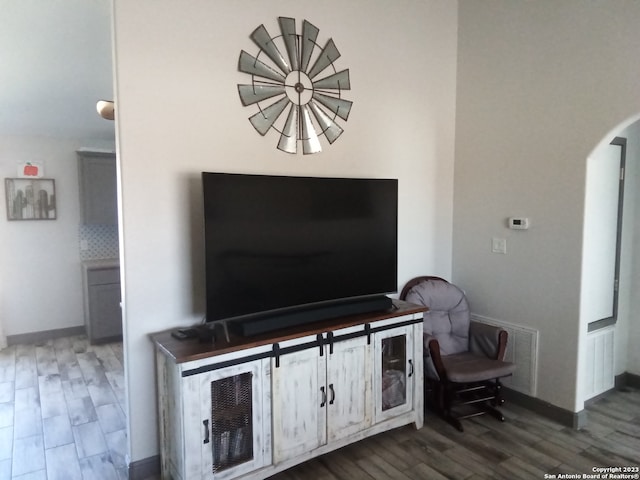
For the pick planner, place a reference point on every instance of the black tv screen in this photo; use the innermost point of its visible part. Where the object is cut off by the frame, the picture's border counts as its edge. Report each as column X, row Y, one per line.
column 276, row 244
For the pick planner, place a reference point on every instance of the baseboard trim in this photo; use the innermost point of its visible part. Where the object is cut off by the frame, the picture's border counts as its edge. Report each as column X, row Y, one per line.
column 593, row 400
column 145, row 468
column 43, row 336
column 627, row 379
column 575, row 420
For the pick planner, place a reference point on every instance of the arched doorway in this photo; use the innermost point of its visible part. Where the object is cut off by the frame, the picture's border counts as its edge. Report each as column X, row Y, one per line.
column 608, row 303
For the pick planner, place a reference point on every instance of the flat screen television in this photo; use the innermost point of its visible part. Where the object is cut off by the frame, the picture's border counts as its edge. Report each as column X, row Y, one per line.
column 282, row 250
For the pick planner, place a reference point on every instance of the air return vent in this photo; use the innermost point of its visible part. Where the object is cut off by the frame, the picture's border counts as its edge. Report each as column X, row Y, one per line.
column 522, row 349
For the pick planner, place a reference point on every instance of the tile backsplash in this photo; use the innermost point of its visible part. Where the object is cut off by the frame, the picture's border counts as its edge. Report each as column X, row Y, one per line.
column 98, row 241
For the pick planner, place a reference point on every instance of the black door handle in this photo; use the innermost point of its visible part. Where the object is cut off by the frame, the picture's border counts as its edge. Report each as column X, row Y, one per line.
column 206, row 431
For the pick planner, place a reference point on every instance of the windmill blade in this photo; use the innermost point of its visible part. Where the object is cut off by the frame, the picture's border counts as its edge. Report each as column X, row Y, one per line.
column 288, row 29
column 330, row 129
column 250, row 94
column 328, row 55
column 309, row 35
column 337, row 81
column 261, row 37
column 310, row 140
column 251, row 65
column 339, row 106
column 264, row 119
column 288, row 138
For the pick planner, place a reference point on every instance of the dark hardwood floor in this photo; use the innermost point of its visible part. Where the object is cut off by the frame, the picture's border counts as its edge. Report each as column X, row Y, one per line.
column 62, row 416
column 526, row 446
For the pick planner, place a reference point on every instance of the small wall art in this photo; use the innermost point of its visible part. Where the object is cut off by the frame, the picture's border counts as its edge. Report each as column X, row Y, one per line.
column 30, row 199
column 30, row 170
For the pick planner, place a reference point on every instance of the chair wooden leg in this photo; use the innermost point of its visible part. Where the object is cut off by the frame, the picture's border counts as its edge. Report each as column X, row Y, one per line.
column 455, row 422
column 438, row 397
column 496, row 401
column 497, row 390
column 491, row 391
column 449, row 395
column 494, row 412
column 430, row 393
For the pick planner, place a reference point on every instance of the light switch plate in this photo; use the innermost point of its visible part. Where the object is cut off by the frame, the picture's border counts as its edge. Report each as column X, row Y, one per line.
column 499, row 245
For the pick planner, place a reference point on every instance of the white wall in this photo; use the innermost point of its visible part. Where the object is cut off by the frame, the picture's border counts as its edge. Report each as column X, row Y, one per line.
column 627, row 334
column 633, row 365
column 40, row 260
column 52, row 74
column 539, row 84
column 179, row 114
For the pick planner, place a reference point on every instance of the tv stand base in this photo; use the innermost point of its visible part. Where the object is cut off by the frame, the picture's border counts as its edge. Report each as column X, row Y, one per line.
column 248, row 409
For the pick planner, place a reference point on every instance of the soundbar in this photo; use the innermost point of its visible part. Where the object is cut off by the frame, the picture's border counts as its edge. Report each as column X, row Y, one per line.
column 260, row 325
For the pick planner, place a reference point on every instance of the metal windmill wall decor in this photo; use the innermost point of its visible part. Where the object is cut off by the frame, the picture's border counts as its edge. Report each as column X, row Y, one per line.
column 293, row 73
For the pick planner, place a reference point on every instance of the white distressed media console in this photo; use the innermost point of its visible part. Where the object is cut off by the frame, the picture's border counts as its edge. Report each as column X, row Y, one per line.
column 252, row 407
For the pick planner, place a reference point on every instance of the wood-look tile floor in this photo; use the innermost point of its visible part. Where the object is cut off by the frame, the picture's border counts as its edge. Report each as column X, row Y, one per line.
column 62, row 411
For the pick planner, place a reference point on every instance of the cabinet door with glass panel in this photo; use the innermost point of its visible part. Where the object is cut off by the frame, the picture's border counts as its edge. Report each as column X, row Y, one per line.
column 394, row 372
column 235, row 420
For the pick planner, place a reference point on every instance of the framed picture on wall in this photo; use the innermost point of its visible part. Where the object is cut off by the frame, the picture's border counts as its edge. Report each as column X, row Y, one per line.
column 30, row 198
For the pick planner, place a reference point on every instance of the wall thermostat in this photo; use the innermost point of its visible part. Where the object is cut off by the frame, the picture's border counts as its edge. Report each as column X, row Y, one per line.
column 518, row 223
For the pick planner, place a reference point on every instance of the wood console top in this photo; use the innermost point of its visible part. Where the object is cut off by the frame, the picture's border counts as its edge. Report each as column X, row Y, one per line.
column 195, row 349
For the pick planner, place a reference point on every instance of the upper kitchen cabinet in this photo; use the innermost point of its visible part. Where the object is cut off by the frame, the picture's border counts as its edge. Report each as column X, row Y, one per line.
column 98, row 194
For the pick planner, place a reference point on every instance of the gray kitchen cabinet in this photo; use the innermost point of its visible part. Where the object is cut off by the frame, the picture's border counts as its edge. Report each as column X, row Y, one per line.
column 98, row 191
column 103, row 316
